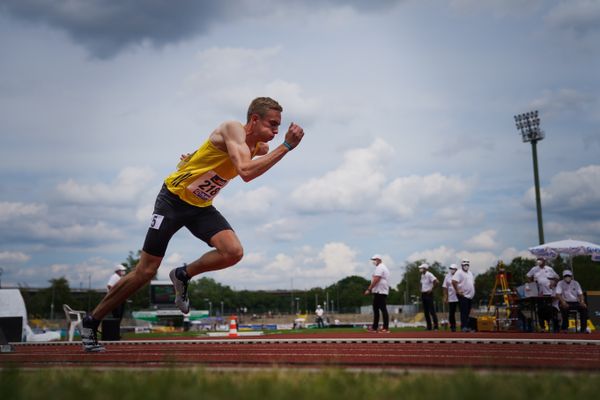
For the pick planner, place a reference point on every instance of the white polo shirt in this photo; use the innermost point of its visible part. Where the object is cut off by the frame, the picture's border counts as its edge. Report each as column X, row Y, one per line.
column 450, row 288
column 465, row 282
column 543, row 277
column 383, row 286
column 112, row 281
column 569, row 292
column 427, row 280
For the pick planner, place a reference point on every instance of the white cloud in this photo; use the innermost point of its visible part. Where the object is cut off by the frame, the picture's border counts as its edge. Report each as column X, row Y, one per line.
column 17, row 210
column 303, row 268
column 357, row 181
column 13, row 257
column 94, row 271
column 563, row 101
column 577, row 191
column 282, row 229
column 485, row 240
column 251, row 205
column 499, row 8
column 76, row 233
column 405, row 195
column 580, row 16
column 481, row 261
column 130, row 182
column 360, row 181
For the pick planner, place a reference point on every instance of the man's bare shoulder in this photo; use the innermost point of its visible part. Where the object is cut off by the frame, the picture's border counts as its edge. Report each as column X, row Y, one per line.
column 228, row 130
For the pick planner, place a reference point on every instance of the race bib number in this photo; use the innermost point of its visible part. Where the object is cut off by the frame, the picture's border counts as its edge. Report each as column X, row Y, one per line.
column 207, row 186
column 156, row 221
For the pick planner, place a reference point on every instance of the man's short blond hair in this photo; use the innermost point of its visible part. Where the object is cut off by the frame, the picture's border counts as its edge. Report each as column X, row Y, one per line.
column 261, row 105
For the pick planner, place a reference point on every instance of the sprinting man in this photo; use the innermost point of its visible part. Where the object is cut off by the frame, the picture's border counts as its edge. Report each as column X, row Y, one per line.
column 185, row 199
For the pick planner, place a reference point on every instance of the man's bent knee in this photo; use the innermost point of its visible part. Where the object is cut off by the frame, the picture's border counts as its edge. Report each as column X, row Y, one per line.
column 147, row 267
column 232, row 254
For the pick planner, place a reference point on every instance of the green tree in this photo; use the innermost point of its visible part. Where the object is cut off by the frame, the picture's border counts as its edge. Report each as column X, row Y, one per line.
column 48, row 302
column 409, row 289
column 205, row 290
column 585, row 271
column 348, row 293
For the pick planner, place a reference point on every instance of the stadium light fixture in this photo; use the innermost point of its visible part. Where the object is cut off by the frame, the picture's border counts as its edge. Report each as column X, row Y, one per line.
column 529, row 126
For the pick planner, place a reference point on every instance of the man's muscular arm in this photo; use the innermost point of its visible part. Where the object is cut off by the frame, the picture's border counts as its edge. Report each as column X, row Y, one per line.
column 234, row 137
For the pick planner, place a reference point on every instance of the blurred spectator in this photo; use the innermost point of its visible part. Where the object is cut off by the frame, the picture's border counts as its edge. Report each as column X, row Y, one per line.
column 319, row 316
column 449, row 297
column 570, row 296
column 464, row 285
column 379, row 288
column 428, row 283
column 120, row 271
column 545, row 278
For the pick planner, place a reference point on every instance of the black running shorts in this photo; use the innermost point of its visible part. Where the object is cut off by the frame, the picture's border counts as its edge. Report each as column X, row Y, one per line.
column 171, row 213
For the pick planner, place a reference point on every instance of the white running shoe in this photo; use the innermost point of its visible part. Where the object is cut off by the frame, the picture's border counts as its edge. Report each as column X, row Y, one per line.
column 181, row 298
column 89, row 336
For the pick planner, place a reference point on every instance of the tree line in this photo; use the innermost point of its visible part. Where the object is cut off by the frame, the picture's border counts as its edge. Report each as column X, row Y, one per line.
column 343, row 296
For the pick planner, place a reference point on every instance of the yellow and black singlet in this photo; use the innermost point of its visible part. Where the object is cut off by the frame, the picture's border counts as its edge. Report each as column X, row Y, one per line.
column 202, row 175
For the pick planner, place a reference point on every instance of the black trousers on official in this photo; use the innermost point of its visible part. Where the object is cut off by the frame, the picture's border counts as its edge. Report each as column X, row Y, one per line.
column 547, row 313
column 452, row 306
column 464, row 303
column 583, row 315
column 119, row 311
column 380, row 304
column 429, row 310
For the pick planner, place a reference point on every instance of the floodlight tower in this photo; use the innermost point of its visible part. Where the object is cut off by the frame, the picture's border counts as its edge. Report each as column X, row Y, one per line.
column 529, row 125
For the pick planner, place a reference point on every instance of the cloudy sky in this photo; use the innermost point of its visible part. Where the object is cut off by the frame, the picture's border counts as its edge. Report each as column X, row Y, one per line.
column 410, row 150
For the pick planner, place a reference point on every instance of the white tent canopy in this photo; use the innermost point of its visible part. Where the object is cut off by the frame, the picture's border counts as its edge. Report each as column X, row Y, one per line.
column 569, row 246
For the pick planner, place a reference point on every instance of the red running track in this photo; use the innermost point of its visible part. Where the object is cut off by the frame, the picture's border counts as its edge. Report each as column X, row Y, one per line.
column 398, row 350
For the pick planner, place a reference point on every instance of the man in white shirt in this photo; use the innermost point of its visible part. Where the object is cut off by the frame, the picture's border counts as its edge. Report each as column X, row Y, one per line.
column 319, row 313
column 380, row 288
column 570, row 296
column 464, row 285
column 428, row 283
column 545, row 278
column 450, row 297
column 120, row 271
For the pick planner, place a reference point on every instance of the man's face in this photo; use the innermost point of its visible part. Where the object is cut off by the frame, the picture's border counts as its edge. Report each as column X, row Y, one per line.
column 267, row 127
column 541, row 263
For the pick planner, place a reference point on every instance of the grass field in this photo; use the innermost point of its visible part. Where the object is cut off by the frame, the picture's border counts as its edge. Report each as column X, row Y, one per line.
column 197, row 383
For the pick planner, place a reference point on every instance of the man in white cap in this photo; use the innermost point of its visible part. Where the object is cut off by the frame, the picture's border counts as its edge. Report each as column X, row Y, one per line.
column 120, row 271
column 380, row 289
column 450, row 297
column 319, row 316
column 546, row 278
column 570, row 296
column 428, row 283
column 464, row 285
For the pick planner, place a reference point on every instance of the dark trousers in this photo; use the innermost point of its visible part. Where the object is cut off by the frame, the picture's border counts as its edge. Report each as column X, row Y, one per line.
column 380, row 304
column 118, row 312
column 452, row 306
column 429, row 310
column 547, row 313
column 583, row 315
column 464, row 304
column 320, row 323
